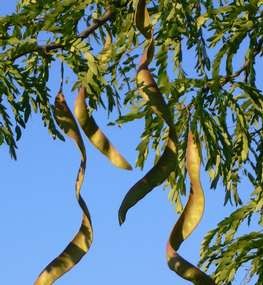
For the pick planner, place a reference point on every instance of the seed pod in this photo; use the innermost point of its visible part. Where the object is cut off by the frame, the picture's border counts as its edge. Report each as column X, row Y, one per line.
column 148, row 87
column 150, row 92
column 145, row 81
column 81, row 243
column 148, row 54
column 189, row 220
column 193, row 161
column 67, row 123
column 153, row 178
column 70, row 256
column 94, row 134
column 185, row 269
column 142, row 19
column 106, row 52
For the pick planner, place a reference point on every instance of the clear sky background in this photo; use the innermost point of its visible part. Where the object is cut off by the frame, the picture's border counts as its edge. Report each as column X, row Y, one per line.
column 39, row 214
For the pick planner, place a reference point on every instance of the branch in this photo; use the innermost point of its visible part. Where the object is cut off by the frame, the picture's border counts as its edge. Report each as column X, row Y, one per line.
column 97, row 23
column 226, row 79
column 91, row 29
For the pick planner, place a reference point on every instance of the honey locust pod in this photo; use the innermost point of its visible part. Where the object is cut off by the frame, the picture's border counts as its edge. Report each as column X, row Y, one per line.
column 106, row 51
column 148, row 54
column 153, row 178
column 151, row 93
column 142, row 19
column 148, row 87
column 189, row 220
column 81, row 243
column 67, row 123
column 94, row 134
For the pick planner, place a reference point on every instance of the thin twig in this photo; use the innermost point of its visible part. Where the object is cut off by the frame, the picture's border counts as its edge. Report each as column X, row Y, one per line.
column 96, row 24
column 53, row 46
column 226, row 79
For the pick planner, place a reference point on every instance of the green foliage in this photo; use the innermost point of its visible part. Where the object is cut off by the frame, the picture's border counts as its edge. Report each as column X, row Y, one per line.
column 220, row 97
column 228, row 251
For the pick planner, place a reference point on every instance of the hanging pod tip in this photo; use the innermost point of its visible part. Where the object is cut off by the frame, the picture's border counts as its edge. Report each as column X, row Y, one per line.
column 121, row 216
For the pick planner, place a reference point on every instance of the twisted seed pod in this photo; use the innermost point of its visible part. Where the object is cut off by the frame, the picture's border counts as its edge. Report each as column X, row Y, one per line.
column 189, row 220
column 145, row 81
column 94, row 134
column 153, row 178
column 142, row 19
column 106, row 51
column 193, row 211
column 150, row 92
column 81, row 243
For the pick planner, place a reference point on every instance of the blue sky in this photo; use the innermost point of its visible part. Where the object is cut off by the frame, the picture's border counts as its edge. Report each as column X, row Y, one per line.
column 39, row 214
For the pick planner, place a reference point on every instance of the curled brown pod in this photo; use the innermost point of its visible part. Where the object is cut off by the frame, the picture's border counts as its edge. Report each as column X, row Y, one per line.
column 189, row 220
column 94, row 134
column 106, row 52
column 153, row 178
column 82, row 241
column 150, row 92
column 142, row 19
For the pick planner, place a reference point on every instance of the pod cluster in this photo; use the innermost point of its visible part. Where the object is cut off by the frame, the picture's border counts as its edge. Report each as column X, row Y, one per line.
column 194, row 208
column 69, row 123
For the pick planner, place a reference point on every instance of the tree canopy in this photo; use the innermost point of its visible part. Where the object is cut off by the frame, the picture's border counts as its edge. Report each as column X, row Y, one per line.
column 128, row 58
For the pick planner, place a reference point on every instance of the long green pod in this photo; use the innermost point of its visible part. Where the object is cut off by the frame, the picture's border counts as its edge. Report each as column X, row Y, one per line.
column 153, row 178
column 94, row 134
column 81, row 242
column 188, row 221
